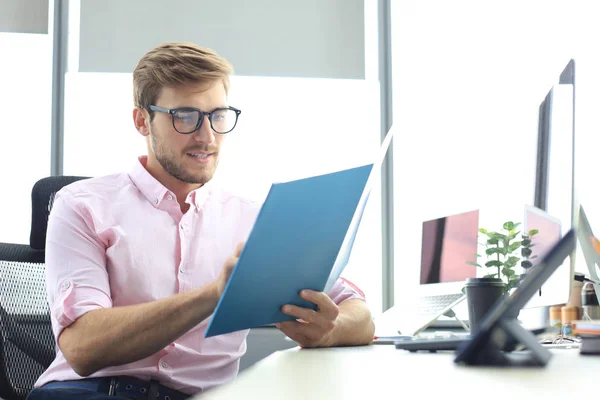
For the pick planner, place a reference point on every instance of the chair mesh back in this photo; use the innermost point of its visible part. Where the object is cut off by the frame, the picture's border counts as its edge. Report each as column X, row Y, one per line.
column 27, row 341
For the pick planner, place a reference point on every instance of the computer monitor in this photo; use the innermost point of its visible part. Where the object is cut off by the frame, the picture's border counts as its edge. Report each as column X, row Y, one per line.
column 557, row 287
column 448, row 244
column 555, row 165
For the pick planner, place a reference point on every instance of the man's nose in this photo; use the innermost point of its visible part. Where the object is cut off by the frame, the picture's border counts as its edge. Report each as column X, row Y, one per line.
column 205, row 134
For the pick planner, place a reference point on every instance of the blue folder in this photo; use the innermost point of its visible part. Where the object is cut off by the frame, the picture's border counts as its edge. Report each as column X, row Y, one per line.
column 293, row 245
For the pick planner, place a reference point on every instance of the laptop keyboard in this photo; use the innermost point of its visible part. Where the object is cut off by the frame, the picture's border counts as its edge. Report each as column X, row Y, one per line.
column 432, row 305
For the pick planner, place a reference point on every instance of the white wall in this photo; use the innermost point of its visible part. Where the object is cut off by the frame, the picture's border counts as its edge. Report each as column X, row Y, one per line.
column 24, row 16
column 468, row 79
column 285, row 38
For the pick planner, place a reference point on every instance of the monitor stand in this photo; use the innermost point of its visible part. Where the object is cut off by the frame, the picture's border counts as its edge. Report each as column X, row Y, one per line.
column 497, row 347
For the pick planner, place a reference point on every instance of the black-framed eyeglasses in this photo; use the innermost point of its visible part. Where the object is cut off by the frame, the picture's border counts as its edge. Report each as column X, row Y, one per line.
column 188, row 120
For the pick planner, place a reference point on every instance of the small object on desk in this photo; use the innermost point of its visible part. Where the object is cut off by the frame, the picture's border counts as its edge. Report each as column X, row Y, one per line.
column 555, row 319
column 432, row 344
column 389, row 339
column 586, row 327
column 590, row 345
column 569, row 314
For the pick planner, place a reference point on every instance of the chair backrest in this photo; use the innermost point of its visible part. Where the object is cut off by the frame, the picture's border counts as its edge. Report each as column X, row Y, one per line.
column 27, row 345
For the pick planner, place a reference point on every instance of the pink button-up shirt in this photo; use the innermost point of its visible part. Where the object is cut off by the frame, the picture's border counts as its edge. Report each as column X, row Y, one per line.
column 121, row 240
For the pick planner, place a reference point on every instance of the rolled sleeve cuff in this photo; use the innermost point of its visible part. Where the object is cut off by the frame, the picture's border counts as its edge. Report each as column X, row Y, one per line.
column 344, row 290
column 73, row 302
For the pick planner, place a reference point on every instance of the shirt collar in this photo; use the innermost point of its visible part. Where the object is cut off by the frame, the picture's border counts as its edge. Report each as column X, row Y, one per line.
column 155, row 192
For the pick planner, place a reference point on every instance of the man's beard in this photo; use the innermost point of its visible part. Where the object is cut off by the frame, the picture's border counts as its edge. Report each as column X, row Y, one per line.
column 174, row 167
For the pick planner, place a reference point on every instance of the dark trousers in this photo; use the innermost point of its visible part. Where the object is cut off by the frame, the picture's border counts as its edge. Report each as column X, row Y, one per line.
column 60, row 394
column 116, row 388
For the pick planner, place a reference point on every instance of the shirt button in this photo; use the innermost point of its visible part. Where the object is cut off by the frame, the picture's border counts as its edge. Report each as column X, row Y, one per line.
column 65, row 285
column 155, row 201
column 181, row 270
column 169, row 197
column 164, row 365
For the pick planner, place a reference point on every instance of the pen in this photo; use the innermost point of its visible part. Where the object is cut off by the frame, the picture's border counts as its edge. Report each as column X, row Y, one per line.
column 390, row 339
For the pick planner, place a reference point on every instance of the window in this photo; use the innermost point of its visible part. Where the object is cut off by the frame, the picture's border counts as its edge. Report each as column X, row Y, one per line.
column 468, row 79
column 25, row 79
column 290, row 127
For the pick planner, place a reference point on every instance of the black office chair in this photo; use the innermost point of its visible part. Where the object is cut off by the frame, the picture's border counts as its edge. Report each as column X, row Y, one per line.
column 26, row 339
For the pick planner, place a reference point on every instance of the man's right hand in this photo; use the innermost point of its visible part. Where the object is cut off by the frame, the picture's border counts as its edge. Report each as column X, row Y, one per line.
column 230, row 263
column 141, row 329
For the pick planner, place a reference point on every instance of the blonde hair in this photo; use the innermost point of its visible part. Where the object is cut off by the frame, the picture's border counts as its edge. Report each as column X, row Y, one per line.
column 173, row 64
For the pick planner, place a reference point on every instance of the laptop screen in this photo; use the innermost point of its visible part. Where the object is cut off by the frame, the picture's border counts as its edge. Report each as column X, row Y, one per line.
column 448, row 244
column 549, row 232
column 557, row 287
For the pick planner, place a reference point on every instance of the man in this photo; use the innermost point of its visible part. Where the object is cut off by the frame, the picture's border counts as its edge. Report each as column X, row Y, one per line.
column 137, row 262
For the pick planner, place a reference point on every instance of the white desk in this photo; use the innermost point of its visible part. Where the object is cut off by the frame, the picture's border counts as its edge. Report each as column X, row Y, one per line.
column 382, row 371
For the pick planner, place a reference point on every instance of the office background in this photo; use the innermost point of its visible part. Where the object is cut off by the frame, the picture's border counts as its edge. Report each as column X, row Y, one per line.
column 319, row 82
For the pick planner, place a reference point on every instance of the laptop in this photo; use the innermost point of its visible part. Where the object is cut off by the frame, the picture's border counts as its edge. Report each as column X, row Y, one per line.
column 500, row 330
column 447, row 245
column 556, row 288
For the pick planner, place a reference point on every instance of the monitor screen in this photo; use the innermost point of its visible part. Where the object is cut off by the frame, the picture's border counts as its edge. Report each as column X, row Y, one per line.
column 447, row 245
column 557, row 288
column 554, row 184
column 549, row 232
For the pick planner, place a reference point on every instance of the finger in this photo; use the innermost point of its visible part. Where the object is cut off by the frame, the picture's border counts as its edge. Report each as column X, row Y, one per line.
column 304, row 335
column 308, row 315
column 325, row 305
column 289, row 330
column 239, row 248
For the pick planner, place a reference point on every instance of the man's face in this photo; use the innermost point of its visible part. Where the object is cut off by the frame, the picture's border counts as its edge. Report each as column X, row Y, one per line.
column 191, row 158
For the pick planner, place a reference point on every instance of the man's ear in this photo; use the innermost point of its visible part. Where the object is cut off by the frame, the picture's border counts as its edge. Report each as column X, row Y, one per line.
column 141, row 120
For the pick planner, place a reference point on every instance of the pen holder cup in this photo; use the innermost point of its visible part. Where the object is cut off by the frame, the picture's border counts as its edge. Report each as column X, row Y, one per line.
column 482, row 294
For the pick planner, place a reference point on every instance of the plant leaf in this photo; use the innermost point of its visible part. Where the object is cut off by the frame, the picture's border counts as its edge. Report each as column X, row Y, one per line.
column 512, row 283
column 514, row 246
column 491, row 234
column 474, row 263
column 493, row 250
column 525, row 252
column 499, row 236
column 526, row 242
column 512, row 261
column 508, row 272
column 493, row 263
column 526, row 264
column 484, row 231
column 490, row 275
column 513, row 234
column 509, row 225
column 534, row 232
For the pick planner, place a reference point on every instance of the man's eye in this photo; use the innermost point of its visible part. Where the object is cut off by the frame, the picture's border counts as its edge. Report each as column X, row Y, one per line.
column 184, row 118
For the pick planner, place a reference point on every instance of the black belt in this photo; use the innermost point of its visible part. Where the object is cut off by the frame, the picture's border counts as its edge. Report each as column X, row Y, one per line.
column 124, row 386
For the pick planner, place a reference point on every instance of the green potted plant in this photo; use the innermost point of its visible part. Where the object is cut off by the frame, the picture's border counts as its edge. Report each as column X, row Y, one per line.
column 505, row 252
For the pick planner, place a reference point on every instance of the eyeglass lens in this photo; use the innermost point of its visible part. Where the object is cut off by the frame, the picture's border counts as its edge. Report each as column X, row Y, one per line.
column 222, row 120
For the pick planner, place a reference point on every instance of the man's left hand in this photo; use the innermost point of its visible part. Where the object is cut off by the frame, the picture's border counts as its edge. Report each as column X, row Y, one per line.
column 313, row 328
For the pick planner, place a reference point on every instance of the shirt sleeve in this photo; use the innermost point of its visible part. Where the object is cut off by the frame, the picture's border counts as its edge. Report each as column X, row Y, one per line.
column 343, row 290
column 76, row 276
